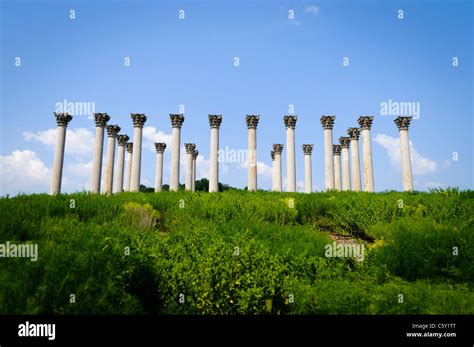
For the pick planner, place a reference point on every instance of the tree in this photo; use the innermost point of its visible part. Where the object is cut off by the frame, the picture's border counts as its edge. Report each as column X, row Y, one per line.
column 145, row 189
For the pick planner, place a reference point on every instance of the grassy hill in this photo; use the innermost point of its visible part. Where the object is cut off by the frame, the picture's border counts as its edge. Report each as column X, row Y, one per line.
column 238, row 252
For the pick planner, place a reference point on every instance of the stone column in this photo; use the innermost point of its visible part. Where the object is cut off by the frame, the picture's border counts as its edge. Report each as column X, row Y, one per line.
column 190, row 148
column 176, row 123
column 308, row 180
column 346, row 173
column 160, row 149
column 62, row 120
column 122, row 142
column 195, row 155
column 290, row 124
column 272, row 155
column 365, row 123
column 112, row 131
column 101, row 120
column 328, row 122
column 355, row 159
column 215, row 122
column 403, row 123
column 139, row 120
column 128, row 174
column 252, row 122
column 277, row 149
column 337, row 167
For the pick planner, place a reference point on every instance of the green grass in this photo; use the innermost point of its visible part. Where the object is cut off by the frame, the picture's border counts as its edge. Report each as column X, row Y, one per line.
column 238, row 252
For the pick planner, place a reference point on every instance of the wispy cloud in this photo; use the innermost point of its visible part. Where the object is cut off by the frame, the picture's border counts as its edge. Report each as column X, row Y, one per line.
column 78, row 141
column 420, row 164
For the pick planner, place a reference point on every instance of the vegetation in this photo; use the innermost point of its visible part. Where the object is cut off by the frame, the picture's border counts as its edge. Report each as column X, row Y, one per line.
column 239, row 252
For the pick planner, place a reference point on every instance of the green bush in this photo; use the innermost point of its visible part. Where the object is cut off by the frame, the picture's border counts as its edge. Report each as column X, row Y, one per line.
column 145, row 253
column 426, row 249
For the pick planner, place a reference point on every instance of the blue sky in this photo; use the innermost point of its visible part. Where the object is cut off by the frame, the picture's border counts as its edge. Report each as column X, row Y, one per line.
column 282, row 62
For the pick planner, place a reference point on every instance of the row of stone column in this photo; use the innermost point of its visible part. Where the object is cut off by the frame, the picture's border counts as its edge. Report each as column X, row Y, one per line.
column 336, row 177
column 350, row 174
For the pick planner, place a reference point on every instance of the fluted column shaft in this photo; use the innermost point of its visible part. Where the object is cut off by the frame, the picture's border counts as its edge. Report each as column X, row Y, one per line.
column 112, row 131
column 277, row 149
column 346, row 173
column 403, row 124
column 272, row 154
column 215, row 122
column 138, row 122
column 290, row 124
column 328, row 123
column 176, row 123
column 308, row 175
column 160, row 148
column 159, row 172
column 128, row 170
column 195, row 155
column 252, row 122
column 101, row 120
column 355, row 159
column 118, row 183
column 190, row 147
column 365, row 123
column 62, row 120
column 337, row 167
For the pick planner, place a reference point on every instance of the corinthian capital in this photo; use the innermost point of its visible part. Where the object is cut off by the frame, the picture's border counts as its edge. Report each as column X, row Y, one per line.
column 215, row 120
column 113, row 130
column 62, row 119
column 160, row 147
column 101, row 119
column 327, row 121
column 122, row 140
column 336, row 149
column 353, row 133
column 272, row 154
column 138, row 119
column 190, row 147
column 290, row 121
column 176, row 120
column 307, row 149
column 344, row 141
column 365, row 122
column 277, row 148
column 195, row 154
column 129, row 147
column 252, row 121
column 403, row 123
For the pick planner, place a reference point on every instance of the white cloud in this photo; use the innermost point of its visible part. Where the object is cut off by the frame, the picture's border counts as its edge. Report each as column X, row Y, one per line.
column 23, row 171
column 79, row 169
column 202, row 167
column 78, row 141
column 151, row 135
column 420, row 165
column 262, row 168
column 312, row 9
